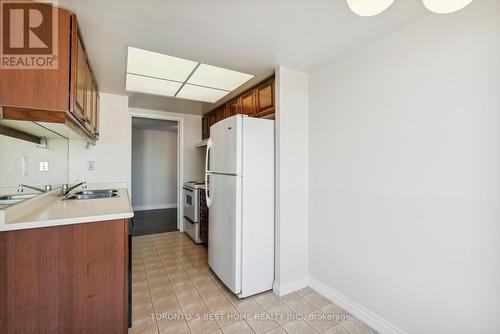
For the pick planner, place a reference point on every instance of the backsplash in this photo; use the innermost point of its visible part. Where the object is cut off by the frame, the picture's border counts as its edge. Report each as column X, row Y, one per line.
column 20, row 162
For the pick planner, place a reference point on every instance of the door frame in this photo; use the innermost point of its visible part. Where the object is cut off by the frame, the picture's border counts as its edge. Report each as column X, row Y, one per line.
column 180, row 157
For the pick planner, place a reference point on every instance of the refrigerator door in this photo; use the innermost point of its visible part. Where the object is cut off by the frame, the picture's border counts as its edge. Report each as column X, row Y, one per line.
column 224, row 241
column 225, row 151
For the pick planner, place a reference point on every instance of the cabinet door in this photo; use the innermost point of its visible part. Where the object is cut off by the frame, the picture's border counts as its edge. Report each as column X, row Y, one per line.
column 220, row 114
column 204, row 127
column 89, row 106
column 234, row 107
column 248, row 104
column 227, row 111
column 212, row 119
column 40, row 89
column 97, row 112
column 265, row 99
column 65, row 279
column 81, row 82
column 94, row 119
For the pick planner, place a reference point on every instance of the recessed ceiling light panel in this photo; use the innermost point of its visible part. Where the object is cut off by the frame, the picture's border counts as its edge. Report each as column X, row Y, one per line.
column 369, row 7
column 446, row 6
column 140, row 84
column 217, row 77
column 158, row 65
column 199, row 93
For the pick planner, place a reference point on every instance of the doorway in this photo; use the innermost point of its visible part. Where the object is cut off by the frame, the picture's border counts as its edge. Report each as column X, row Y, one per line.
column 155, row 175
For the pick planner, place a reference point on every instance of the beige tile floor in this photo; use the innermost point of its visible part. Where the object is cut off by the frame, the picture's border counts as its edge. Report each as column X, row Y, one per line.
column 174, row 291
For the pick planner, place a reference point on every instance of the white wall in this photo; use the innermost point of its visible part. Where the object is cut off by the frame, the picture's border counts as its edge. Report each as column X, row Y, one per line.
column 111, row 152
column 292, row 228
column 154, row 169
column 12, row 151
column 404, row 175
column 194, row 157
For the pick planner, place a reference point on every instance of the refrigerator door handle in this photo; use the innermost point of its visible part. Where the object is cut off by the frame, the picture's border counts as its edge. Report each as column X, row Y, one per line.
column 207, row 184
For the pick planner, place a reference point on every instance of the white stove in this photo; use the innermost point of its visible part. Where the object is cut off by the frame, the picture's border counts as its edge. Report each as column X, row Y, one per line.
column 191, row 204
column 195, row 184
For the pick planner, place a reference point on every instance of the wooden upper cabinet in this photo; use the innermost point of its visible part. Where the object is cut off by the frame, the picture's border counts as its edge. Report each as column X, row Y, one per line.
column 97, row 111
column 205, row 132
column 227, row 112
column 234, row 107
column 94, row 119
column 265, row 99
column 248, row 103
column 41, row 89
column 256, row 102
column 59, row 95
column 81, row 82
column 88, row 94
column 220, row 114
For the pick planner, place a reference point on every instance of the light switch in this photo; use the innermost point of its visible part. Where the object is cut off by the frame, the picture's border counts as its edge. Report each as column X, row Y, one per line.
column 91, row 166
column 44, row 166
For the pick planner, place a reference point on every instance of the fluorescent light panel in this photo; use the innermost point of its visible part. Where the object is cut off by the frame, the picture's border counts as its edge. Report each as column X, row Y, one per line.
column 140, row 84
column 199, row 93
column 158, row 65
column 218, row 77
column 155, row 73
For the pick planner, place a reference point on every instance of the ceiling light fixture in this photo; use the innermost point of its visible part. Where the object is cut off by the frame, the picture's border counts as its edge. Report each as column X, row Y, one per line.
column 369, row 7
column 200, row 93
column 218, row 77
column 159, row 74
column 446, row 6
column 375, row 7
column 154, row 86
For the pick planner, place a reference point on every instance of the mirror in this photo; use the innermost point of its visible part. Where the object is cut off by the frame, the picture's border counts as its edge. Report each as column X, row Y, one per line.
column 33, row 155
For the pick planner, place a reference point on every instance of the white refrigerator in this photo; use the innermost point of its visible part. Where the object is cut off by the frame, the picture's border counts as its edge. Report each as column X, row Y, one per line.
column 239, row 172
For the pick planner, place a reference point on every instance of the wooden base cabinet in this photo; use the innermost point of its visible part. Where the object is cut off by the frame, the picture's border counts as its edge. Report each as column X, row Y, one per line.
column 203, row 218
column 65, row 279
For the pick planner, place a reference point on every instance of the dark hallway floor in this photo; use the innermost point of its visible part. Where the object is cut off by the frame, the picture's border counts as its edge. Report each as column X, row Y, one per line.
column 154, row 221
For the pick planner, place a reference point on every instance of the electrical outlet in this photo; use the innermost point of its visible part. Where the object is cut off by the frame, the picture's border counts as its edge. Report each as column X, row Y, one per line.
column 91, row 166
column 44, row 166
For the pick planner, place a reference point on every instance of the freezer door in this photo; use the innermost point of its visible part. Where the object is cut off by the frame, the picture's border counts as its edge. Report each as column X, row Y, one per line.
column 225, row 153
column 224, row 241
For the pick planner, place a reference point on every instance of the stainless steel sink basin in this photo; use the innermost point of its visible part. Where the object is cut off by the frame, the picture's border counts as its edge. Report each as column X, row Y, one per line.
column 13, row 199
column 94, row 194
column 19, row 197
column 97, row 192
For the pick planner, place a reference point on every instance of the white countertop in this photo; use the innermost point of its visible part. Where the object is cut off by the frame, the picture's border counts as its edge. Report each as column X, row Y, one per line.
column 49, row 210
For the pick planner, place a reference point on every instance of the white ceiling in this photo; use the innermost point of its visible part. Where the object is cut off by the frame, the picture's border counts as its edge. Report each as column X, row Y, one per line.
column 252, row 36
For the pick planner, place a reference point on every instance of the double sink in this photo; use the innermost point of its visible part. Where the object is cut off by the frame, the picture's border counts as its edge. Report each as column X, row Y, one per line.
column 84, row 194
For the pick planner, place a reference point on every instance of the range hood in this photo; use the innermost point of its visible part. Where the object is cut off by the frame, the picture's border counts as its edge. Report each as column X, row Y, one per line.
column 202, row 143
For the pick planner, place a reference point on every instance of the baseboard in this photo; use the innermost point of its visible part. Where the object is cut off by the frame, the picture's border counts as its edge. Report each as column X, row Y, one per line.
column 284, row 289
column 155, row 207
column 368, row 317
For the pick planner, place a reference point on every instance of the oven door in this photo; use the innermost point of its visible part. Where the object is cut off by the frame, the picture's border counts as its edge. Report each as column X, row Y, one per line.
column 192, row 229
column 190, row 204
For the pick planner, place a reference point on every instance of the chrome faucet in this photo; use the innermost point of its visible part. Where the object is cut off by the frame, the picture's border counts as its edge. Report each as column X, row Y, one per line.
column 66, row 189
column 48, row 188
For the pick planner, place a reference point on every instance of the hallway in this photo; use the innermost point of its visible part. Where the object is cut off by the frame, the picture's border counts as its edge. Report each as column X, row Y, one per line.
column 154, row 221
